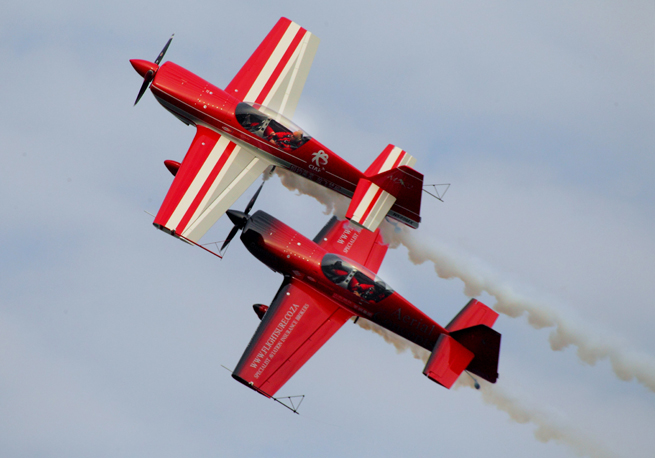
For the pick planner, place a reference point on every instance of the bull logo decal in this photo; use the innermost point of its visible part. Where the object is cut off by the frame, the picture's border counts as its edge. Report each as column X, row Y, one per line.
column 320, row 158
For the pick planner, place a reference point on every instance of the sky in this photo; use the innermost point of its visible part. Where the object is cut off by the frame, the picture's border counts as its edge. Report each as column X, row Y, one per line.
column 540, row 115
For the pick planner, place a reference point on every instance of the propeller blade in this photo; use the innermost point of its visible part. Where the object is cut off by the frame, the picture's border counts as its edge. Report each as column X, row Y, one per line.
column 254, row 198
column 229, row 238
column 163, row 51
column 239, row 219
column 146, row 81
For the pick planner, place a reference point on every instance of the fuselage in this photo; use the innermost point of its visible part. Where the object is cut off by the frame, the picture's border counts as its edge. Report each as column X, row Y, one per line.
column 344, row 281
column 197, row 102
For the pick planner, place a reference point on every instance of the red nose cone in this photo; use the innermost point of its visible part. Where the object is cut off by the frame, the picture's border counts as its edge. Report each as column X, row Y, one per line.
column 142, row 66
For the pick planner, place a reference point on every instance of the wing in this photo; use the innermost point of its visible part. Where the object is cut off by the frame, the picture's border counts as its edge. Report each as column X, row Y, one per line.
column 275, row 74
column 212, row 176
column 299, row 321
column 362, row 246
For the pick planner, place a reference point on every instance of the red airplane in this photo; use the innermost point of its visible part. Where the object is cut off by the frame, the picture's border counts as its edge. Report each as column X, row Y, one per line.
column 333, row 278
column 244, row 129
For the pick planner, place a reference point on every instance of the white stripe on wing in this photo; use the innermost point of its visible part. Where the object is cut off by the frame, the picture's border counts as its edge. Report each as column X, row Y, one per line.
column 365, row 202
column 297, row 64
column 212, row 188
column 244, row 173
column 382, row 206
column 200, row 178
column 272, row 62
column 391, row 159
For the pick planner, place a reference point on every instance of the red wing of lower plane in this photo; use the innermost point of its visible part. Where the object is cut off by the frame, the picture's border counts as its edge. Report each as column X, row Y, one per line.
column 299, row 321
column 332, row 278
column 364, row 247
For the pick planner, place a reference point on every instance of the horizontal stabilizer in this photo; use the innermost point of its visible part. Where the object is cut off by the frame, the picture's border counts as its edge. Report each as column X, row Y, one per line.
column 389, row 187
column 473, row 313
column 447, row 361
column 406, row 185
column 369, row 205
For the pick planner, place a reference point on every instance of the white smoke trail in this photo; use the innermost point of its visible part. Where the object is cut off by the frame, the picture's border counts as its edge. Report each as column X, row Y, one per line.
column 268, row 173
column 548, row 428
column 539, row 316
column 591, row 348
column 334, row 203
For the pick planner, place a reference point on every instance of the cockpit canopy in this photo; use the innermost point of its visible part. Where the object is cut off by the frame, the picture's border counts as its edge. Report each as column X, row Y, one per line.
column 355, row 278
column 271, row 126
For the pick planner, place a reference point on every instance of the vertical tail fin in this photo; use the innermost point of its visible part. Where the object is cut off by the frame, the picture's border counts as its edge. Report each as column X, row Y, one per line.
column 484, row 343
column 470, row 345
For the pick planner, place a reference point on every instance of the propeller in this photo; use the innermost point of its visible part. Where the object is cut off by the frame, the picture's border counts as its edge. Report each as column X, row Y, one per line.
column 239, row 219
column 149, row 75
column 163, row 51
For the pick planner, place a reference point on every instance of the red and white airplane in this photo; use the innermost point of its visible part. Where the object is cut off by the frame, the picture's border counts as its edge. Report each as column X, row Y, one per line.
column 245, row 128
column 333, row 278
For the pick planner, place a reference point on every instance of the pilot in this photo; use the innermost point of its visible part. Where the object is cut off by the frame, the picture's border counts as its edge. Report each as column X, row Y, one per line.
column 377, row 295
column 288, row 141
column 360, row 288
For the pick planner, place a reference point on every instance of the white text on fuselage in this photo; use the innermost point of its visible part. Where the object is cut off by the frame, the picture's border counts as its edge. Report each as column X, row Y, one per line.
column 316, row 178
column 343, row 237
column 320, row 158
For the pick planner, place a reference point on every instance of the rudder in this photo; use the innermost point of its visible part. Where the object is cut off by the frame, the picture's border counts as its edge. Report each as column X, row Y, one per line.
column 484, row 343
